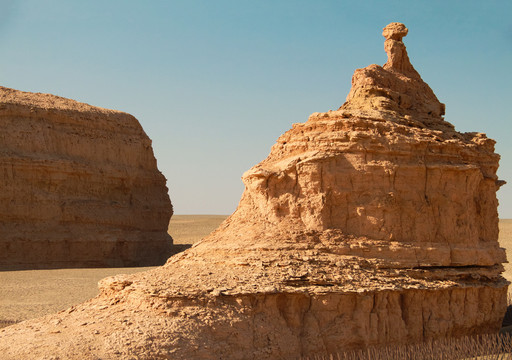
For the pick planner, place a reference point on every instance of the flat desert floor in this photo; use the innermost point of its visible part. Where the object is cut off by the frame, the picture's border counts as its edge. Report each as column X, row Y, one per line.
column 32, row 293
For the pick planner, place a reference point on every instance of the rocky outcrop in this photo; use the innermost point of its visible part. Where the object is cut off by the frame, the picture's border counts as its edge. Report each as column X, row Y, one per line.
column 80, row 186
column 375, row 224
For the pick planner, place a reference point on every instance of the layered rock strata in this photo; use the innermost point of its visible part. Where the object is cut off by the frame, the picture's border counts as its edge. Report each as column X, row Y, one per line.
column 80, row 186
column 375, row 224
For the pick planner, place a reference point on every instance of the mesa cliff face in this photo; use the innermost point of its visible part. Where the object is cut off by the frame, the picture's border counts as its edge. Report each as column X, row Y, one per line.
column 80, row 186
column 375, row 224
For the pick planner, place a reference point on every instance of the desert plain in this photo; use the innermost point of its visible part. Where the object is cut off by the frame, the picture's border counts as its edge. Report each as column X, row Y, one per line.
column 28, row 294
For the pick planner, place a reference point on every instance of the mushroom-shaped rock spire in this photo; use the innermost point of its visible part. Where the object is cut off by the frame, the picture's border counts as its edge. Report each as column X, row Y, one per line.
column 395, row 31
column 395, row 48
column 395, row 92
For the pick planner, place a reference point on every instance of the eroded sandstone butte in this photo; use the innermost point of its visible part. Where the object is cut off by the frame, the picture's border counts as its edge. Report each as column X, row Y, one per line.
column 375, row 224
column 79, row 186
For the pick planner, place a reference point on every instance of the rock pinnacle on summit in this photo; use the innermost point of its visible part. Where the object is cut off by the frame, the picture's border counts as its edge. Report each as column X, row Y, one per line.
column 395, row 92
column 395, row 49
column 372, row 225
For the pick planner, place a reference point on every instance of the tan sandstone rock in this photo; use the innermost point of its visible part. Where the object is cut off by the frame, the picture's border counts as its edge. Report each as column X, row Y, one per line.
column 373, row 224
column 80, row 186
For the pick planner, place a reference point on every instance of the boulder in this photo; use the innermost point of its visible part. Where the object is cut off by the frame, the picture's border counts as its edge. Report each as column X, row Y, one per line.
column 375, row 224
column 80, row 187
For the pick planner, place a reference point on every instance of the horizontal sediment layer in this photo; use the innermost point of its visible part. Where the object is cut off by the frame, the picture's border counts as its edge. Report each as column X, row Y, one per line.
column 76, row 249
column 256, row 326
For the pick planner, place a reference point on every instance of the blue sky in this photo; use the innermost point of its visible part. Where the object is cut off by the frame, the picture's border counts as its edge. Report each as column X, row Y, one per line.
column 214, row 83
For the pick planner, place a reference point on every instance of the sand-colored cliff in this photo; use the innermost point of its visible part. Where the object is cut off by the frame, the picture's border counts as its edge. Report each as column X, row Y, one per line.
column 80, row 186
column 373, row 224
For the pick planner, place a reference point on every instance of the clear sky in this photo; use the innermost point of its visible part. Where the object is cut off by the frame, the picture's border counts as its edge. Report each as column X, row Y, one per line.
column 214, row 83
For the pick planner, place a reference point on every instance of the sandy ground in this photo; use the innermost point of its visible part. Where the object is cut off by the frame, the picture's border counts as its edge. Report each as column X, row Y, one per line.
column 33, row 293
column 188, row 229
column 506, row 242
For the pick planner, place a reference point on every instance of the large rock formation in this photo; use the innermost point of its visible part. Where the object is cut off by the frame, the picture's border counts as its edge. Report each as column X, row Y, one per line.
column 373, row 224
column 80, row 186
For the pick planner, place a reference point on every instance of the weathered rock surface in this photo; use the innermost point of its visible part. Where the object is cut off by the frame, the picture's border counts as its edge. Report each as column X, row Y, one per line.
column 80, row 186
column 373, row 224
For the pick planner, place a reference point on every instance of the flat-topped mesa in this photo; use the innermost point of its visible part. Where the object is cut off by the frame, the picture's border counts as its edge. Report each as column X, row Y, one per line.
column 80, row 186
column 395, row 92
